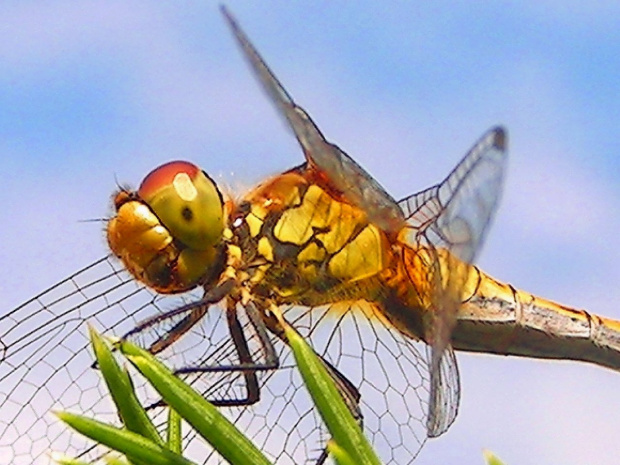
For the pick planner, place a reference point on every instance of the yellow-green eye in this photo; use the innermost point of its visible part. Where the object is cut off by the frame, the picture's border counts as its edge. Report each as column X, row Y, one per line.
column 187, row 202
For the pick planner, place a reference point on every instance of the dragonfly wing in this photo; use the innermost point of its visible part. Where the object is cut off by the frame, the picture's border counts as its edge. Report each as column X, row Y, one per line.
column 449, row 222
column 445, row 391
column 455, row 213
column 389, row 368
column 47, row 364
column 284, row 424
column 48, row 361
column 342, row 173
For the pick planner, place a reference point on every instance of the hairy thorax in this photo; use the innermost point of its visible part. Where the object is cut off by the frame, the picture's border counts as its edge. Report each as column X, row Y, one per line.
column 303, row 245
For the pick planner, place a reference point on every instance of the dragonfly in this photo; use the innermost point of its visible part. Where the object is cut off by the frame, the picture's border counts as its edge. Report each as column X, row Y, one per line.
column 384, row 291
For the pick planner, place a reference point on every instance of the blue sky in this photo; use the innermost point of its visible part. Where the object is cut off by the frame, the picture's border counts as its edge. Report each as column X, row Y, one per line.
column 92, row 94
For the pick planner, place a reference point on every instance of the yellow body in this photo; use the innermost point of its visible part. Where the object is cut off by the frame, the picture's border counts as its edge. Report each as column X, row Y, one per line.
column 306, row 247
column 294, row 240
column 309, row 246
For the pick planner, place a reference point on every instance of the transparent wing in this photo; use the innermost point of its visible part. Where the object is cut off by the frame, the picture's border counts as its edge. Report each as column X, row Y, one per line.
column 390, row 370
column 47, row 364
column 344, row 175
column 447, row 224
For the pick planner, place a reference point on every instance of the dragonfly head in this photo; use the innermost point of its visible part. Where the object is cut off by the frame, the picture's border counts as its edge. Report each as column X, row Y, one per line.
column 168, row 234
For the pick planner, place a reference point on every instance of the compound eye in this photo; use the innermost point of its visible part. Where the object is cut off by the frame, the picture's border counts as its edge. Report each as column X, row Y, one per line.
column 187, row 202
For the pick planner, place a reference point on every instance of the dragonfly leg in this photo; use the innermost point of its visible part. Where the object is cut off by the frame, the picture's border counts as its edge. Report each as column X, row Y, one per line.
column 196, row 311
column 246, row 364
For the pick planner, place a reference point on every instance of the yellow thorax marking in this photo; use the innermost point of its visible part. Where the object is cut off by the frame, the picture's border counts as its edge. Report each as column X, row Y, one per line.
column 254, row 223
column 318, row 210
column 360, row 258
column 265, row 249
column 356, row 257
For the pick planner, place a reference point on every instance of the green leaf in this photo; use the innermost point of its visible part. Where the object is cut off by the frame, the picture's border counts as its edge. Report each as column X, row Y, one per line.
column 111, row 460
column 175, row 438
column 491, row 458
column 134, row 446
column 130, row 410
column 63, row 459
column 328, row 399
column 200, row 414
column 340, row 456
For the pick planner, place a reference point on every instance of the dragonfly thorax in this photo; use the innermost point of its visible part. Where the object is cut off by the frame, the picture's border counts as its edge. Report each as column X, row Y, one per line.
column 302, row 245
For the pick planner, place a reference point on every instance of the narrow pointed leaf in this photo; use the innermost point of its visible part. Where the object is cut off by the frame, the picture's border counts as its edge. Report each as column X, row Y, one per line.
column 337, row 416
column 174, row 437
column 136, row 447
column 121, row 389
column 199, row 413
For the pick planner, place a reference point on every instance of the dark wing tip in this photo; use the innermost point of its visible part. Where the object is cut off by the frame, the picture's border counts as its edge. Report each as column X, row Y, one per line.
column 230, row 19
column 500, row 138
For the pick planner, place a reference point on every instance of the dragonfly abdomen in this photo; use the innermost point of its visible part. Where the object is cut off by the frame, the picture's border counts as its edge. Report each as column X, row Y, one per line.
column 500, row 319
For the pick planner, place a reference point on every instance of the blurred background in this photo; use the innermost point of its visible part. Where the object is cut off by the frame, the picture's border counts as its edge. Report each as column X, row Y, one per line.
column 96, row 94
